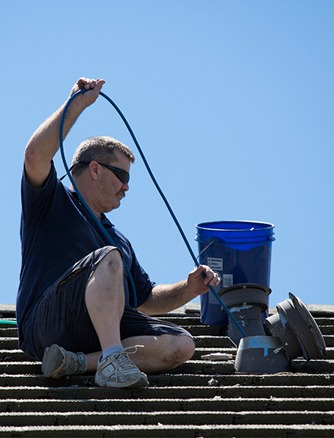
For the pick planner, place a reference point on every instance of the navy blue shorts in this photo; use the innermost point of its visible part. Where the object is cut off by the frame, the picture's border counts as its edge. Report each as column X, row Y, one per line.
column 61, row 316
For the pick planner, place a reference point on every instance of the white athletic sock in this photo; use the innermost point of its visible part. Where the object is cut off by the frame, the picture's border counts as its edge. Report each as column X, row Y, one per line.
column 111, row 350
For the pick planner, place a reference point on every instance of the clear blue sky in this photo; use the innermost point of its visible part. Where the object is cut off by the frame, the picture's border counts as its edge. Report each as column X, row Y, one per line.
column 231, row 101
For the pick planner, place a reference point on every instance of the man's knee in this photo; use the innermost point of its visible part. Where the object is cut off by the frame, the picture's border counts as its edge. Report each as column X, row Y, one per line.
column 180, row 348
column 184, row 348
column 108, row 274
column 112, row 262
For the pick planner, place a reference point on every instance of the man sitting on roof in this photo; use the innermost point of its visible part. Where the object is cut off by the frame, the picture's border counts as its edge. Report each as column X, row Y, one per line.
column 76, row 309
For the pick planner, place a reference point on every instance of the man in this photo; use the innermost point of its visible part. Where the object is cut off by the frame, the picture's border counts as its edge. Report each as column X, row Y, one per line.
column 76, row 306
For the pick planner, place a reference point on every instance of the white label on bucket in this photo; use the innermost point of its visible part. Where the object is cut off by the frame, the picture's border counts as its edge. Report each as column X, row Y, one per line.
column 215, row 263
column 227, row 280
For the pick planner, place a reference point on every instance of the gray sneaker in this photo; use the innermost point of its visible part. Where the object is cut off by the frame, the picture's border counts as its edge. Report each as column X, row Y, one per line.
column 57, row 362
column 118, row 371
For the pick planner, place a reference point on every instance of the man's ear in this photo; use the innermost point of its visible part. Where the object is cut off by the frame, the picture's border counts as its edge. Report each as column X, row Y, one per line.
column 94, row 169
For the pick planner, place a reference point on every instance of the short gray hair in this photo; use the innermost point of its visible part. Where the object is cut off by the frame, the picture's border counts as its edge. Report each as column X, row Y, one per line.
column 100, row 148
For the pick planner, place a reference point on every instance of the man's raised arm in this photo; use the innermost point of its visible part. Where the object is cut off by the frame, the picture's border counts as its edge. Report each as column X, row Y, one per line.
column 44, row 143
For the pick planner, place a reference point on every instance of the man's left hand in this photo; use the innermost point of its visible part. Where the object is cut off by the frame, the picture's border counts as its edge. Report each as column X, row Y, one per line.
column 200, row 278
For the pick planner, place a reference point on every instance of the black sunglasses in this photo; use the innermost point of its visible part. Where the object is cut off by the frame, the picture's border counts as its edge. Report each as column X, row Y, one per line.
column 121, row 174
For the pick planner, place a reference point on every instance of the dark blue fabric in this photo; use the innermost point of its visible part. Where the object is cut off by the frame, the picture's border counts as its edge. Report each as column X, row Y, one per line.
column 61, row 315
column 56, row 232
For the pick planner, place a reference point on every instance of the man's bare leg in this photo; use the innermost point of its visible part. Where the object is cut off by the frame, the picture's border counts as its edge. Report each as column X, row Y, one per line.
column 105, row 299
column 159, row 353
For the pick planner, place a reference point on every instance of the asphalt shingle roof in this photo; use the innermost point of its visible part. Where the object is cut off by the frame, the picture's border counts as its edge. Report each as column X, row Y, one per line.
column 201, row 398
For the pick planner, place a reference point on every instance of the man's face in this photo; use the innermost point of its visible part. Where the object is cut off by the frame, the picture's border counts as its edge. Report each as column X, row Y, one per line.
column 111, row 190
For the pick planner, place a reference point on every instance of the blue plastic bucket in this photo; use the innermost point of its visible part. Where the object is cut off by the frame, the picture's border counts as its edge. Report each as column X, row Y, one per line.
column 240, row 251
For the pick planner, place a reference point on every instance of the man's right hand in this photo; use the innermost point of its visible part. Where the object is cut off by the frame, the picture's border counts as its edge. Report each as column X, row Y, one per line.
column 92, row 87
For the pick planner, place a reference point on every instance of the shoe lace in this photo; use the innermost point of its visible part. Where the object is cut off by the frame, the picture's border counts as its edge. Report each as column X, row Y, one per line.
column 132, row 349
column 124, row 363
column 73, row 361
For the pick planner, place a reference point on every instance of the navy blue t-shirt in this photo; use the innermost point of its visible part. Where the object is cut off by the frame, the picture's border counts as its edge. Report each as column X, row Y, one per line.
column 56, row 232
